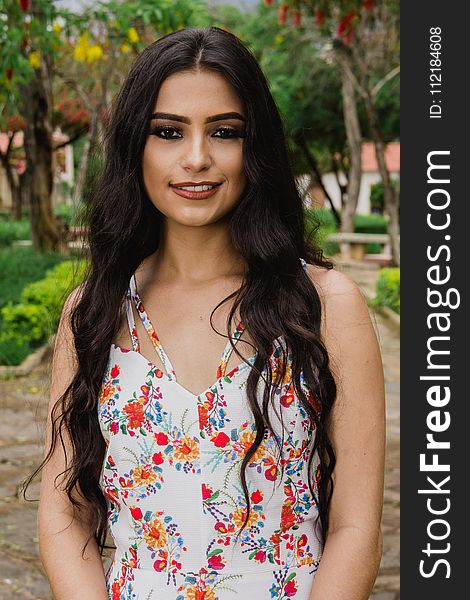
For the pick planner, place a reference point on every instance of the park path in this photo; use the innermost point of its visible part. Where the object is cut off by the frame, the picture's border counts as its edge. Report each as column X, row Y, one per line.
column 23, row 404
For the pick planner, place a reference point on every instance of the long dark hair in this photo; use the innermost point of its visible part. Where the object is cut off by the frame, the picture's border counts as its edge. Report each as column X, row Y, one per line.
column 267, row 228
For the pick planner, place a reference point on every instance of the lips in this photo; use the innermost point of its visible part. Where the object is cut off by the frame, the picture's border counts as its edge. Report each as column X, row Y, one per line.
column 192, row 195
column 186, row 183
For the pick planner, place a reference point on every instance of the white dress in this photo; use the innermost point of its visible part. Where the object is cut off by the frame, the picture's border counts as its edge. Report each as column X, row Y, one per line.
column 171, row 479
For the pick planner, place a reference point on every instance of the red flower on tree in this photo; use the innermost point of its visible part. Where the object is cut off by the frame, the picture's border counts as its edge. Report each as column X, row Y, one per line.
column 24, row 5
column 345, row 27
column 282, row 14
column 320, row 17
column 297, row 18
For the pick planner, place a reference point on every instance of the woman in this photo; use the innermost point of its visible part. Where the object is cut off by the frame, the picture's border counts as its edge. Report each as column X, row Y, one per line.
column 269, row 481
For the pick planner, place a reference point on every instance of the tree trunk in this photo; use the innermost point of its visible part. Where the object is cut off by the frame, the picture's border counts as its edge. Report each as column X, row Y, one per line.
column 14, row 185
column 38, row 148
column 88, row 146
column 310, row 158
column 390, row 194
column 354, row 135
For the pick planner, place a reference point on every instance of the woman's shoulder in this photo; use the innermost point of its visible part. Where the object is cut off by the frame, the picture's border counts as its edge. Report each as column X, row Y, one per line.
column 342, row 300
column 331, row 282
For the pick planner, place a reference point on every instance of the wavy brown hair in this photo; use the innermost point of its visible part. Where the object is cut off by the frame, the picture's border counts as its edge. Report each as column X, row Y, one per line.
column 267, row 227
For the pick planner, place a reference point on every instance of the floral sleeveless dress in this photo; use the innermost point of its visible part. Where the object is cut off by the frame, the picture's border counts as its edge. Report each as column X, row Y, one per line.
column 171, row 479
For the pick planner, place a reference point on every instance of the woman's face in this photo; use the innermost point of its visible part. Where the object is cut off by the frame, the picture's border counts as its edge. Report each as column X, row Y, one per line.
column 195, row 143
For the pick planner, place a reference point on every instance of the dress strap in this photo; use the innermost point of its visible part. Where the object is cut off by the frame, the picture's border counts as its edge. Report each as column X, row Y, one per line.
column 228, row 350
column 150, row 330
column 131, row 323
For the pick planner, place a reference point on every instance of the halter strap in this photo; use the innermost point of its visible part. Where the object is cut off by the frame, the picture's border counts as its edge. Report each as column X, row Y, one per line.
column 133, row 295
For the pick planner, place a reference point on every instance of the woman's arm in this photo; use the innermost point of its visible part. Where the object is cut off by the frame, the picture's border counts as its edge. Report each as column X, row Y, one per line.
column 353, row 549
column 61, row 538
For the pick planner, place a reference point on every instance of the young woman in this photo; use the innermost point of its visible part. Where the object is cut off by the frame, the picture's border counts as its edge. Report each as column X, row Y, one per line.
column 253, row 470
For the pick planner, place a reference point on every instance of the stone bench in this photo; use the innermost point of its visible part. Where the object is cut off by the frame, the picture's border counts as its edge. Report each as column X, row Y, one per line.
column 353, row 245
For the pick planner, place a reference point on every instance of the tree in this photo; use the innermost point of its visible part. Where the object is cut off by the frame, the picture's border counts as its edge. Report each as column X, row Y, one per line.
column 35, row 37
column 364, row 41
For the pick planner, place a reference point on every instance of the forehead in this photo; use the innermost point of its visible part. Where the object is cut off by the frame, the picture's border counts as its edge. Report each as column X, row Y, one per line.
column 197, row 93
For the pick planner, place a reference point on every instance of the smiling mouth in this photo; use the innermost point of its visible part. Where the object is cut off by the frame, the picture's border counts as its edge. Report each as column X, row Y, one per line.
column 195, row 188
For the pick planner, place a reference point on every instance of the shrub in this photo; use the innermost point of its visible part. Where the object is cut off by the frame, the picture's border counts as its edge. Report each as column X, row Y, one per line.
column 11, row 230
column 388, row 289
column 20, row 266
column 30, row 322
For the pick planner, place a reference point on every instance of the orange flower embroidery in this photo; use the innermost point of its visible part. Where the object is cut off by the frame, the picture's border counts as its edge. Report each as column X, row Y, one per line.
column 135, row 415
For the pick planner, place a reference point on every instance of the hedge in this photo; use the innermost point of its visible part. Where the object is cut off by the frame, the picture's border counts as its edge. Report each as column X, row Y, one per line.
column 388, row 289
column 29, row 323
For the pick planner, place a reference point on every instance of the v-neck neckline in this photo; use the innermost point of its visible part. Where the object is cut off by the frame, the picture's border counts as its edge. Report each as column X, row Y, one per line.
column 227, row 376
column 168, row 370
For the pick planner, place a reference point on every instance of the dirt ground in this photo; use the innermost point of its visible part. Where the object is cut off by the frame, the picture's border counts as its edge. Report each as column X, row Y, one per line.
column 22, row 409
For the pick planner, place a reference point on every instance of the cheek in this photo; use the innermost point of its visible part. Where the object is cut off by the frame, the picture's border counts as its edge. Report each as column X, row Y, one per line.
column 151, row 165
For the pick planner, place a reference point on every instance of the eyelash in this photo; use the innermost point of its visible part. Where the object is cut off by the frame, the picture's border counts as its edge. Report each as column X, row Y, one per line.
column 159, row 128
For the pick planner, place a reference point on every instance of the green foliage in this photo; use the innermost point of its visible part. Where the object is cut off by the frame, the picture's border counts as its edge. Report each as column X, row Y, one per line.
column 68, row 213
column 30, row 322
column 327, row 223
column 362, row 224
column 370, row 224
column 13, row 230
column 12, row 349
column 388, row 289
column 377, row 195
column 20, row 266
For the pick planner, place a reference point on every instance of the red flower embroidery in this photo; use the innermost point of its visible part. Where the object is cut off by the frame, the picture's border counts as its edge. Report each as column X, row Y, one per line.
column 206, row 492
column 287, row 399
column 115, row 371
column 135, row 512
column 161, row 439
column 271, row 473
column 260, row 556
column 114, row 427
column 290, row 588
column 215, row 562
column 157, row 458
column 256, row 497
column 221, row 440
column 159, row 565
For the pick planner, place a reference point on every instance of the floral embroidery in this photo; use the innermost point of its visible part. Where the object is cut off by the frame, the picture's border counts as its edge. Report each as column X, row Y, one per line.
column 171, row 480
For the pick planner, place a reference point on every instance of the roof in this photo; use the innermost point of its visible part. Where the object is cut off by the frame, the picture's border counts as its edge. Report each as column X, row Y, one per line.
column 392, row 157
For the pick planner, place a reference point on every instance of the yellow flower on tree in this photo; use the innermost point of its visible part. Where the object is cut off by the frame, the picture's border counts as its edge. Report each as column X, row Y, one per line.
column 133, row 35
column 34, row 59
column 125, row 48
column 57, row 28
column 81, row 49
column 94, row 53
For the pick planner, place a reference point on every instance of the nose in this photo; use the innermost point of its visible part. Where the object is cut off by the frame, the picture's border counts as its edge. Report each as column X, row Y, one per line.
column 196, row 153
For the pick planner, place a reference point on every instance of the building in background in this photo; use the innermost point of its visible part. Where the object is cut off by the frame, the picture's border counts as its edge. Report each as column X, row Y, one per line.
column 315, row 197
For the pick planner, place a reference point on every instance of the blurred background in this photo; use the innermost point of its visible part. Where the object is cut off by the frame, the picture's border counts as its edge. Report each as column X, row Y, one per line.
column 333, row 69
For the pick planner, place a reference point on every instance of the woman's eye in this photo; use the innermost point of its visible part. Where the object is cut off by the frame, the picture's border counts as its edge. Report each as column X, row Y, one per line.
column 167, row 133
column 159, row 132
column 228, row 132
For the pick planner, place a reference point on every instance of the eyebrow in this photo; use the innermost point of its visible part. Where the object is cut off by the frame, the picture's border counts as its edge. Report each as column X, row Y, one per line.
column 211, row 119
